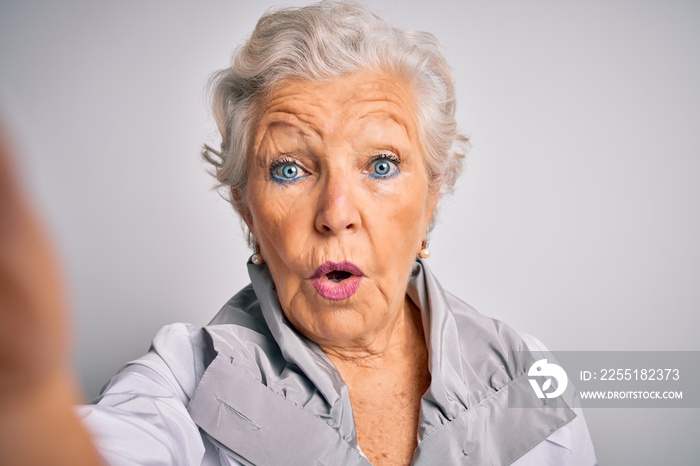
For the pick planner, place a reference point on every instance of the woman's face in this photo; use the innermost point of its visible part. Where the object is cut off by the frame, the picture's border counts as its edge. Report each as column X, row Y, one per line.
column 339, row 202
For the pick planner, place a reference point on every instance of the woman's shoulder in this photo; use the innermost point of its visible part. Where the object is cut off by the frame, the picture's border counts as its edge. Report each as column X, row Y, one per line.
column 144, row 406
column 174, row 364
column 181, row 352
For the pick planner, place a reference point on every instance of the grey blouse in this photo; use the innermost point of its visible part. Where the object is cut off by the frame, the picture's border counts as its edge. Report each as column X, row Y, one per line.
column 249, row 389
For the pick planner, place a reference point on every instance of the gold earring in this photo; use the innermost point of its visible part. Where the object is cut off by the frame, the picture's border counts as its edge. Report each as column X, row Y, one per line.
column 424, row 251
column 257, row 258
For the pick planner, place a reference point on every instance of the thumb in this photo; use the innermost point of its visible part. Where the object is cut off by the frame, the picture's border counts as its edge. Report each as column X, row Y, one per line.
column 32, row 303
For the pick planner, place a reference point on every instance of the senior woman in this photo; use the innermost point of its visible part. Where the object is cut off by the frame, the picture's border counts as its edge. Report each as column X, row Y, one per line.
column 338, row 139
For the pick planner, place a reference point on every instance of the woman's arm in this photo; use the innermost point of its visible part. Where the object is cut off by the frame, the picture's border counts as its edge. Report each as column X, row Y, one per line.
column 37, row 388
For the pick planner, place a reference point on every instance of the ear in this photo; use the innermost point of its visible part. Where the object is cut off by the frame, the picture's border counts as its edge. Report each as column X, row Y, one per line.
column 241, row 206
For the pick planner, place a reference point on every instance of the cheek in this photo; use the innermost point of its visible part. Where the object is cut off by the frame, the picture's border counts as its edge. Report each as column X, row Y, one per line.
column 273, row 223
column 281, row 225
column 404, row 213
column 398, row 226
column 268, row 216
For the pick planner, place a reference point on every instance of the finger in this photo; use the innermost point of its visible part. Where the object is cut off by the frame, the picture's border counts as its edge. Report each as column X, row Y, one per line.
column 32, row 310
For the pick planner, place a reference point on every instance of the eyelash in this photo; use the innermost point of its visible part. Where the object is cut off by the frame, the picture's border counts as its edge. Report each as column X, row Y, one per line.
column 288, row 160
column 385, row 156
column 281, row 162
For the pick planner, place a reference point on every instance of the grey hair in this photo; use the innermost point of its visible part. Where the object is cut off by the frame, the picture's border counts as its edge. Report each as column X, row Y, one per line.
column 323, row 41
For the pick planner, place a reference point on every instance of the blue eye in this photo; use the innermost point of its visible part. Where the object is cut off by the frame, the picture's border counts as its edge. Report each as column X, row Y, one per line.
column 286, row 171
column 383, row 166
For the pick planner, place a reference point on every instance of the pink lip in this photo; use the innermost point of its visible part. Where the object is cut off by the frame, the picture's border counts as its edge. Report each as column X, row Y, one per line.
column 337, row 291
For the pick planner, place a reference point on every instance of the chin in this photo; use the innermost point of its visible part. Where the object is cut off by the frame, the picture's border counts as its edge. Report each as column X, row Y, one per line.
column 332, row 322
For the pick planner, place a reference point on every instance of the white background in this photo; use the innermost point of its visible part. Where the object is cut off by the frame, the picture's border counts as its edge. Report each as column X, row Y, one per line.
column 576, row 220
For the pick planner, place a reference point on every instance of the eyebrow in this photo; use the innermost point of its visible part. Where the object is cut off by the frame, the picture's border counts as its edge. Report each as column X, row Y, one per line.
column 290, row 120
column 398, row 119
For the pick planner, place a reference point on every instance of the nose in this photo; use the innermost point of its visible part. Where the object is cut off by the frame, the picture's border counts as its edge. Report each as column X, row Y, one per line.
column 338, row 210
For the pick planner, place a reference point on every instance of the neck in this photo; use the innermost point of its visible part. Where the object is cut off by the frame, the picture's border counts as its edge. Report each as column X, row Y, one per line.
column 399, row 339
column 386, row 383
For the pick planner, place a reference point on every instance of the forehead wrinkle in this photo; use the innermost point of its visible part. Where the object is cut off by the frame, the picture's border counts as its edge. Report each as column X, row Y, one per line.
column 285, row 142
column 380, row 115
column 298, row 124
column 323, row 112
column 386, row 103
column 298, row 100
column 391, row 130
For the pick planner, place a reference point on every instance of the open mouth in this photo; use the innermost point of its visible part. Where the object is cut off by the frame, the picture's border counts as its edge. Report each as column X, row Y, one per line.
column 337, row 281
column 337, row 276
